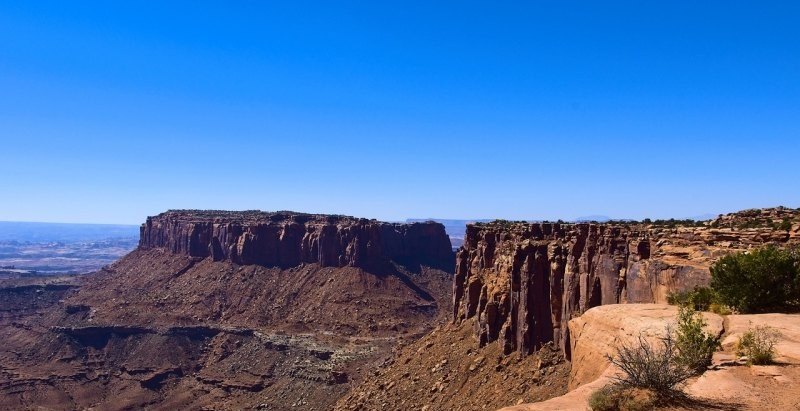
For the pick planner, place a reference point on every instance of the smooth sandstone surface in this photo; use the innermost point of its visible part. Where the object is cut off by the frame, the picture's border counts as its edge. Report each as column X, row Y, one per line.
column 594, row 336
column 596, row 333
column 727, row 382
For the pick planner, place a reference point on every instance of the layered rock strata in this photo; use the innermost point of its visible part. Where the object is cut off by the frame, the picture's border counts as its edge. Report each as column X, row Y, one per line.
column 226, row 310
column 287, row 239
column 522, row 282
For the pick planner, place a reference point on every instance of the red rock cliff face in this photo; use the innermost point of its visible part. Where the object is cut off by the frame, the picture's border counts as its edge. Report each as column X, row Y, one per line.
column 521, row 283
column 287, row 239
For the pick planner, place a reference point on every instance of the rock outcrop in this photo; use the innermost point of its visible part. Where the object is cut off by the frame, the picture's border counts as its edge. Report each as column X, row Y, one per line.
column 522, row 282
column 598, row 332
column 727, row 384
column 287, row 239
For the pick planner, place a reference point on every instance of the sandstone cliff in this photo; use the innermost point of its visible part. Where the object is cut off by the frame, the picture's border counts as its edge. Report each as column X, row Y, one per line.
column 287, row 239
column 522, row 282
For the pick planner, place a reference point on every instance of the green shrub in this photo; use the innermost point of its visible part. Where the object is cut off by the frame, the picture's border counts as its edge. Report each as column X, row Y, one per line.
column 720, row 309
column 672, row 223
column 605, row 399
column 700, row 298
column 760, row 280
column 618, row 398
column 679, row 298
column 695, row 346
column 758, row 345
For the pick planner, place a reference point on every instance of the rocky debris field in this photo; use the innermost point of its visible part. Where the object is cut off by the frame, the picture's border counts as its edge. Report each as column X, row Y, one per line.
column 446, row 370
column 105, row 342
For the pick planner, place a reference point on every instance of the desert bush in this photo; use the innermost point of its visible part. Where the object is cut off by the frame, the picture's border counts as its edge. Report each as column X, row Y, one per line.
column 758, row 344
column 605, row 399
column 680, row 298
column 652, row 372
column 760, row 280
column 672, row 223
column 700, row 298
column 752, row 212
column 651, row 366
column 695, row 346
column 615, row 397
column 721, row 309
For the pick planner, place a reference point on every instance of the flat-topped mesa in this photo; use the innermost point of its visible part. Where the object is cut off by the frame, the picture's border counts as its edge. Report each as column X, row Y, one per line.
column 287, row 239
column 522, row 282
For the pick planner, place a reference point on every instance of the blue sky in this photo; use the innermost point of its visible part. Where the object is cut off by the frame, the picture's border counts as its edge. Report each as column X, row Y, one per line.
column 519, row 110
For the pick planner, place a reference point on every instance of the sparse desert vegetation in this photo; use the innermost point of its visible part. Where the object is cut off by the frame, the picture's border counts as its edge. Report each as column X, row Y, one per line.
column 695, row 346
column 621, row 398
column 653, row 372
column 758, row 345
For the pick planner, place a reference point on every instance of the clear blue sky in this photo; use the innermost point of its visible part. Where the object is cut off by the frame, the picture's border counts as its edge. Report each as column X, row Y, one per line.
column 520, row 110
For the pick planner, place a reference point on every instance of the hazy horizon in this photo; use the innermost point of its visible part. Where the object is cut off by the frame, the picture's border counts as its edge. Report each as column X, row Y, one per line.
column 114, row 112
column 598, row 217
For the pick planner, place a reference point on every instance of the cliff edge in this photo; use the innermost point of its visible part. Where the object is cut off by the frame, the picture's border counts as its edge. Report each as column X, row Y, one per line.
column 523, row 282
column 287, row 239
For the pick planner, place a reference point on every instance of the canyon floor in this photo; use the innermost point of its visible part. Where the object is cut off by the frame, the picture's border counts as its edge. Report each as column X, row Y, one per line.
column 206, row 335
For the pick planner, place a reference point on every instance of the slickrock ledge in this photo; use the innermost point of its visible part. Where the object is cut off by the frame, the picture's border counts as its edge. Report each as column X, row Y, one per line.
column 522, row 282
column 596, row 334
column 727, row 384
column 287, row 239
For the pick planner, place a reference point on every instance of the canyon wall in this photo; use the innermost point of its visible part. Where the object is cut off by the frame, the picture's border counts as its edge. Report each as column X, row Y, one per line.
column 287, row 239
column 227, row 310
column 522, row 282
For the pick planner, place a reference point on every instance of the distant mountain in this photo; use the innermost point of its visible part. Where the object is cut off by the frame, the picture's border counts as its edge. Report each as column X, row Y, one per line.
column 47, row 248
column 63, row 232
column 598, row 218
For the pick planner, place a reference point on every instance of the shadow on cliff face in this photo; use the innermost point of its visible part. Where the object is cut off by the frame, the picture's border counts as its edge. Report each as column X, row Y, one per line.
column 404, row 267
column 415, row 264
column 385, row 269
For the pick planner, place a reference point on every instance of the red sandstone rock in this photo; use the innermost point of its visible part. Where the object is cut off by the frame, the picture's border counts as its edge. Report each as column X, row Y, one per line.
column 523, row 282
column 286, row 239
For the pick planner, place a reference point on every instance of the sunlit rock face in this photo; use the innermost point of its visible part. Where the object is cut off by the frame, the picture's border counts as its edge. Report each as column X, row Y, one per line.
column 287, row 239
column 522, row 282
